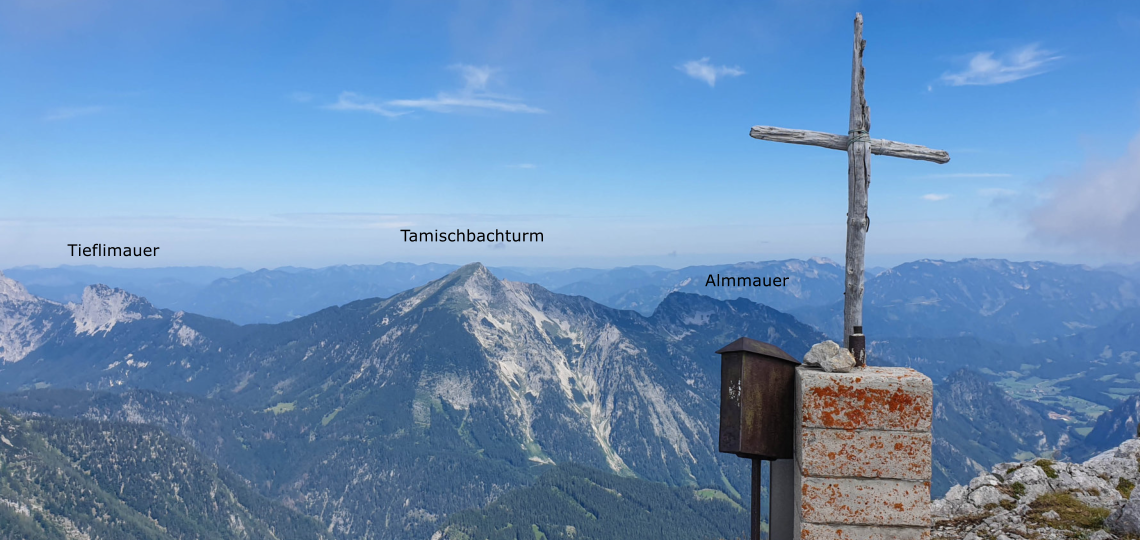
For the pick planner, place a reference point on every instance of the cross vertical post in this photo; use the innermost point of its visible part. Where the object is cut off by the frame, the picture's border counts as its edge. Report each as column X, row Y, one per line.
column 858, row 182
column 859, row 147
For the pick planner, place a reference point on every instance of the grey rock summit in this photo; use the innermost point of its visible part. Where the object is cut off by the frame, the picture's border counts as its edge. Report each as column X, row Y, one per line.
column 830, row 357
column 1047, row 499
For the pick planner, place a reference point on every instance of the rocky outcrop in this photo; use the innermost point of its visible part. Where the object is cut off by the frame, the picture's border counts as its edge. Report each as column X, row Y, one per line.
column 1046, row 499
column 26, row 321
column 830, row 357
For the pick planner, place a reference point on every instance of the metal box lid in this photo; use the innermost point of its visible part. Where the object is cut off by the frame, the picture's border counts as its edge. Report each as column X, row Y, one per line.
column 761, row 348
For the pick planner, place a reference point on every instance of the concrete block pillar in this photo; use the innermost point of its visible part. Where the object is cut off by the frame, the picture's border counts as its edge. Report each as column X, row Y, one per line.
column 862, row 454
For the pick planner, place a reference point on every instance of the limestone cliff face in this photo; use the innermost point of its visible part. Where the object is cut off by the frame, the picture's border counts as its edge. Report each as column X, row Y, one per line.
column 25, row 320
column 1046, row 499
column 104, row 307
column 1115, row 425
column 28, row 322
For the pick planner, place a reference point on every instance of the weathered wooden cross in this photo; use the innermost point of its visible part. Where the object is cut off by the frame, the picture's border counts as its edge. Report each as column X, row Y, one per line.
column 859, row 147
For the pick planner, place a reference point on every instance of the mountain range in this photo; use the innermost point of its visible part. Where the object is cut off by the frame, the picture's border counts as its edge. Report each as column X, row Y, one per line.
column 164, row 286
column 277, row 295
column 383, row 417
column 993, row 299
column 392, row 413
column 997, row 300
column 1131, row 270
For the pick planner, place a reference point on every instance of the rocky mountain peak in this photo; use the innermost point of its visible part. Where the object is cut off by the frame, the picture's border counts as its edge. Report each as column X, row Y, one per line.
column 103, row 307
column 461, row 288
column 24, row 320
column 471, row 268
column 1047, row 499
column 13, row 291
column 823, row 261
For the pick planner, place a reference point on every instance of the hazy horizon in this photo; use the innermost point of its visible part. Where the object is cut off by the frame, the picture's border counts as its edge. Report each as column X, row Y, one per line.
column 881, row 262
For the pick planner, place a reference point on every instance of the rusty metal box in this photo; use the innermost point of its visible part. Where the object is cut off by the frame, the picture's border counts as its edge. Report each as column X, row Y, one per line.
column 757, row 400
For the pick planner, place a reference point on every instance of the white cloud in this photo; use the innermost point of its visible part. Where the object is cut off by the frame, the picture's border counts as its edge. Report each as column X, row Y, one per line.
column 984, row 69
column 701, row 70
column 936, row 196
column 65, row 113
column 522, row 166
column 1097, row 207
column 473, row 95
column 449, row 103
column 476, row 77
column 351, row 101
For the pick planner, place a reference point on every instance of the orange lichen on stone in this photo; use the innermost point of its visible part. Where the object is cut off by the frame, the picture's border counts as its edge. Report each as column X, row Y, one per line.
column 877, row 400
column 863, row 451
column 881, row 502
column 823, row 452
column 848, row 407
column 829, row 531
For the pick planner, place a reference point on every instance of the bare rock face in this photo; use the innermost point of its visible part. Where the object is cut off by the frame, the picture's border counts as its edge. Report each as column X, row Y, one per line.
column 821, row 351
column 1047, row 499
column 1125, row 522
column 843, row 361
column 1119, row 462
column 26, row 321
column 830, row 356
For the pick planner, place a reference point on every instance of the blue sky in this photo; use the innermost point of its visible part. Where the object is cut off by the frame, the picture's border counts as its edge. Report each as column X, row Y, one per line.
column 260, row 134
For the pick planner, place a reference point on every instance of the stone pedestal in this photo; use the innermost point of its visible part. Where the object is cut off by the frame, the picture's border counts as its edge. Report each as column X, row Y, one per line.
column 862, row 466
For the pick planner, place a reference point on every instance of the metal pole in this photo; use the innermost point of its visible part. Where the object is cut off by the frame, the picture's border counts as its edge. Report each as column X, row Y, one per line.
column 781, row 522
column 757, row 498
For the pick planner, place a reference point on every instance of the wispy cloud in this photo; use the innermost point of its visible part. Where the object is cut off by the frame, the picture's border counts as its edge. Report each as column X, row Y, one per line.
column 474, row 95
column 1099, row 207
column 936, row 196
column 65, row 113
column 522, row 166
column 968, row 175
column 701, row 70
column 351, row 101
column 985, row 69
column 476, row 77
column 448, row 103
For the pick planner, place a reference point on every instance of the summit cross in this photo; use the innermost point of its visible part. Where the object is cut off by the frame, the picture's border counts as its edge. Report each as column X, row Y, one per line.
column 859, row 147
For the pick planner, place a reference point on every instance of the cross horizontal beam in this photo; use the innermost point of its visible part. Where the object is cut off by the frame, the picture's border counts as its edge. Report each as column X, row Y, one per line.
column 881, row 147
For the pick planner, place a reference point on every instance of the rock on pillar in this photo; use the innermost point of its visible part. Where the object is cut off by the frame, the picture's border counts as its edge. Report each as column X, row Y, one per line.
column 862, row 452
